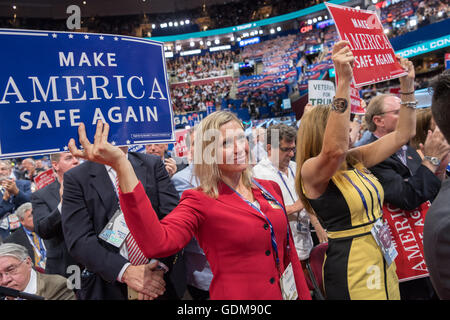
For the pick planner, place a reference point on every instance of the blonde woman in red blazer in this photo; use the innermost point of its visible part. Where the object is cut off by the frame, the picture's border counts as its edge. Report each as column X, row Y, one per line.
column 236, row 237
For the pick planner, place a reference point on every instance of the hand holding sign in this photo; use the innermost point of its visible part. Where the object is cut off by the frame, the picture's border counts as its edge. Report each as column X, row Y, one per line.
column 407, row 81
column 343, row 60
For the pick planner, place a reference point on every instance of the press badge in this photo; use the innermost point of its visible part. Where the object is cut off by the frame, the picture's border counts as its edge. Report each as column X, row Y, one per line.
column 116, row 230
column 382, row 235
column 287, row 284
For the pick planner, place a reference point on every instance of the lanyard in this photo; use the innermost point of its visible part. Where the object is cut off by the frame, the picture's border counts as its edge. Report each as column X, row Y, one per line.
column 268, row 196
column 360, row 192
column 40, row 252
column 285, row 184
column 376, row 189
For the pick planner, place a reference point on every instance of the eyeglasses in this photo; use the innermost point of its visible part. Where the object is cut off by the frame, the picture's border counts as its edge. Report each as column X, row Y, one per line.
column 11, row 270
column 288, row 149
column 394, row 111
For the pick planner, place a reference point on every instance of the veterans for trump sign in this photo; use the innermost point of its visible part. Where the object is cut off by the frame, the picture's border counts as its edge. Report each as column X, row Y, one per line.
column 52, row 81
column 375, row 59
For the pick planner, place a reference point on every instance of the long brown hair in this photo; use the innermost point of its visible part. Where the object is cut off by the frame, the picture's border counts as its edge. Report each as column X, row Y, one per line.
column 309, row 144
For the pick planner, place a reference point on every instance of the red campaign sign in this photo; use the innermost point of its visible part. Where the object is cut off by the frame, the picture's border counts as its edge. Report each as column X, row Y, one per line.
column 44, row 179
column 180, row 147
column 375, row 59
column 407, row 232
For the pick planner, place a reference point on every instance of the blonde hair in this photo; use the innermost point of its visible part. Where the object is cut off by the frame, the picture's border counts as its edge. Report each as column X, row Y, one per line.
column 309, row 144
column 206, row 170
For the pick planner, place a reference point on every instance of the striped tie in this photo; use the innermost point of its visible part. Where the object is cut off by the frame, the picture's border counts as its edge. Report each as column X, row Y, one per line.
column 135, row 255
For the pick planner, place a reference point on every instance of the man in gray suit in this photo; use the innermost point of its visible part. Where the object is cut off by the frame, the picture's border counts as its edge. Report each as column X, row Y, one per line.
column 17, row 272
column 436, row 232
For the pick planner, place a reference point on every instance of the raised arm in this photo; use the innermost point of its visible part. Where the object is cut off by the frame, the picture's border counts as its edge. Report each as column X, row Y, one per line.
column 155, row 238
column 375, row 152
column 317, row 171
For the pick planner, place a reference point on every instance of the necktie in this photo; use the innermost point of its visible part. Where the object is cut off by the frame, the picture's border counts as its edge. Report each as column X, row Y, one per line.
column 402, row 154
column 135, row 255
column 39, row 258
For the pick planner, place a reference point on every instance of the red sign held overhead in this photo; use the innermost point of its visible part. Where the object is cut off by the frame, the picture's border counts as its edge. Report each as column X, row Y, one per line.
column 375, row 59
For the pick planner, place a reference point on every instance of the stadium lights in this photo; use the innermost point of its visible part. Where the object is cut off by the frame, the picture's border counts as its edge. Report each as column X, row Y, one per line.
column 170, row 24
column 186, row 21
column 260, row 32
column 232, row 38
column 175, row 24
column 314, row 20
column 238, row 39
column 201, row 42
column 208, row 43
column 319, row 18
column 192, row 43
column 153, row 26
column 309, row 21
column 278, row 29
column 272, row 31
column 181, row 23
column 217, row 41
column 163, row 25
column 178, row 47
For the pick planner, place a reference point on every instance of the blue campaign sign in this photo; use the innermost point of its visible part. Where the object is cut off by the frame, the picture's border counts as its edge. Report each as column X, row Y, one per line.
column 52, row 81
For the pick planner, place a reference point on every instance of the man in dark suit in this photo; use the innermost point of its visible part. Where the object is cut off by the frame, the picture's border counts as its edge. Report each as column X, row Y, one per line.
column 13, row 193
column 407, row 180
column 436, row 234
column 89, row 202
column 47, row 216
column 172, row 164
column 25, row 236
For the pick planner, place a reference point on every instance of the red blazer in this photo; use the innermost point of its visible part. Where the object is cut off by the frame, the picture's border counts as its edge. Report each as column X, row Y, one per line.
column 235, row 238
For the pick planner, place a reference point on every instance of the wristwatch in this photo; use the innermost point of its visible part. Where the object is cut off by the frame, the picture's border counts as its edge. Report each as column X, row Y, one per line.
column 339, row 105
column 434, row 161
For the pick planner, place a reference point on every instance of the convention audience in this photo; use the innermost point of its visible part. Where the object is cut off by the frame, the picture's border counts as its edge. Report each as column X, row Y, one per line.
column 14, row 193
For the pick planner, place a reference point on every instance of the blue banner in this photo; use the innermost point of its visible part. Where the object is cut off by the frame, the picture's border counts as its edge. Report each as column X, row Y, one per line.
column 52, row 81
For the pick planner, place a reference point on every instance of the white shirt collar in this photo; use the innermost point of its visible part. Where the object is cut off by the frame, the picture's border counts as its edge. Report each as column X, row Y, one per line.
column 32, row 284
